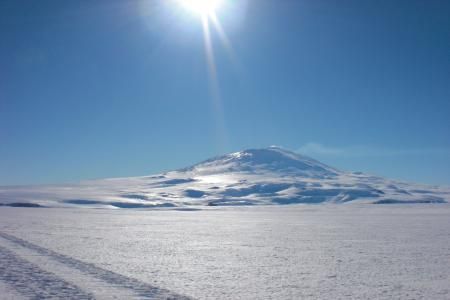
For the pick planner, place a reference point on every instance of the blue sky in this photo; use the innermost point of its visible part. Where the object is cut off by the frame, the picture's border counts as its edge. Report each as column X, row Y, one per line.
column 92, row 89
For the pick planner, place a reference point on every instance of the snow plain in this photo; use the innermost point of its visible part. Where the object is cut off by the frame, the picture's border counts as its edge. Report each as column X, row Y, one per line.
column 325, row 251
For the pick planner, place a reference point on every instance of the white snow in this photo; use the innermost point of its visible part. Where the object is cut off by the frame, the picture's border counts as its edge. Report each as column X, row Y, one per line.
column 199, row 236
column 277, row 252
column 252, row 177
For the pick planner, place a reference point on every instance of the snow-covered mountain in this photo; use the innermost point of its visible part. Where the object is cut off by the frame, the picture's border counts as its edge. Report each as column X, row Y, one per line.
column 257, row 176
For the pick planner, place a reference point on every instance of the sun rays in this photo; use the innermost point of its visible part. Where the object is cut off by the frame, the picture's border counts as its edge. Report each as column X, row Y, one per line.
column 207, row 11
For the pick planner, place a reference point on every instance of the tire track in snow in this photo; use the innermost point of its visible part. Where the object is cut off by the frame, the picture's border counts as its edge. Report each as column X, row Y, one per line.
column 31, row 281
column 142, row 289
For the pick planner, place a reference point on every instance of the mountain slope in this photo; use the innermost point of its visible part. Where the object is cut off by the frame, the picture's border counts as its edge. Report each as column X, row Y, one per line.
column 251, row 177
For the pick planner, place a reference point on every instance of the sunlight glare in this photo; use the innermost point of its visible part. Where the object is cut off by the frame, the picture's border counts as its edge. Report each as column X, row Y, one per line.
column 202, row 7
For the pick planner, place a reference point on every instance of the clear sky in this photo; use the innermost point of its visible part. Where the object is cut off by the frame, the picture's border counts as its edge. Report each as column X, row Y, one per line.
column 92, row 89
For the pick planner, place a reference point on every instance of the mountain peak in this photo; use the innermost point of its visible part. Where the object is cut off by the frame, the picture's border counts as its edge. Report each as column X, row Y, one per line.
column 272, row 159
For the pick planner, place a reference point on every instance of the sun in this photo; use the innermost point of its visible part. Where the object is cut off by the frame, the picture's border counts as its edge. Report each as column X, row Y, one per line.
column 202, row 7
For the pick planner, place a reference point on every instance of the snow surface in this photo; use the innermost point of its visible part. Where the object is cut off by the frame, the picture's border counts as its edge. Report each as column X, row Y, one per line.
column 277, row 252
column 251, row 177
